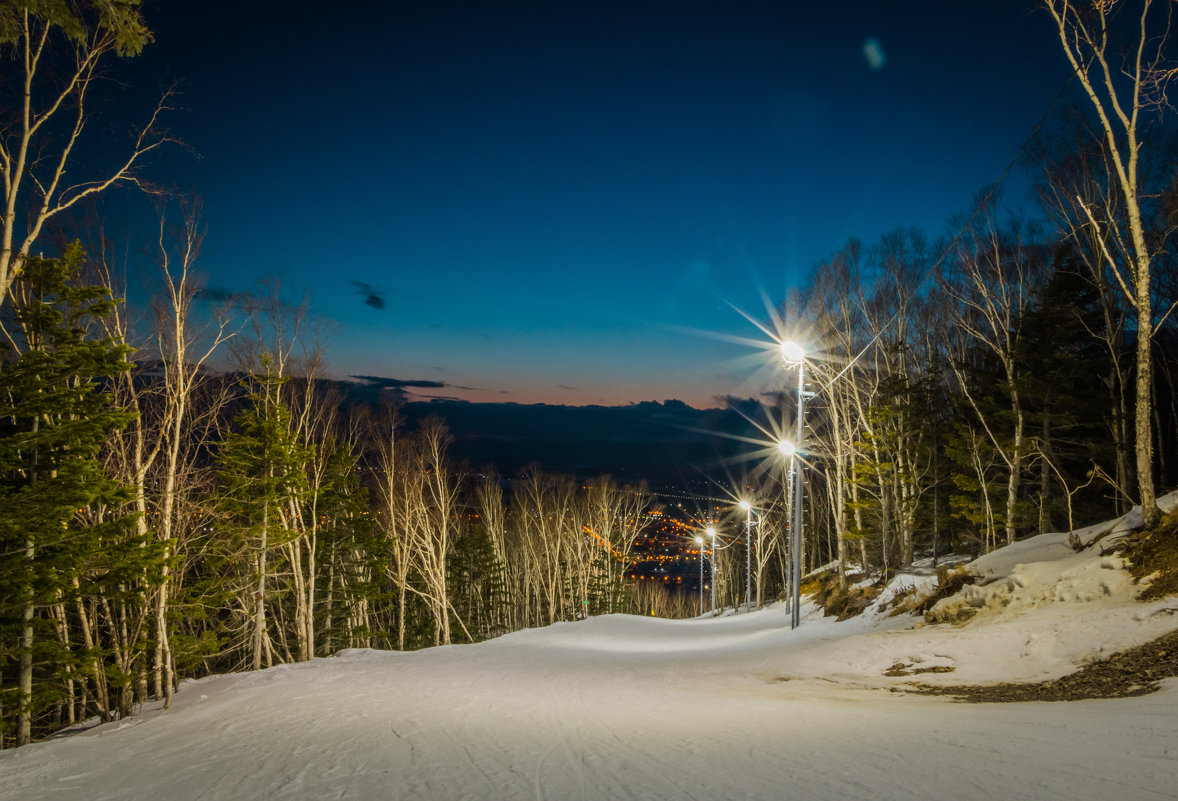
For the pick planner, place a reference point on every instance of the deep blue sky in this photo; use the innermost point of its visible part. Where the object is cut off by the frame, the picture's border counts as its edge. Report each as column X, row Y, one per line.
column 544, row 194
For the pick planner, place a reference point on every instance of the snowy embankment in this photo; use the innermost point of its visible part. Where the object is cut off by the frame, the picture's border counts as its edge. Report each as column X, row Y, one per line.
column 639, row 708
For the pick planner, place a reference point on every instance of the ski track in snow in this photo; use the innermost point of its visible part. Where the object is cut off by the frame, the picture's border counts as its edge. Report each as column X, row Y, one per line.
column 516, row 720
column 623, row 707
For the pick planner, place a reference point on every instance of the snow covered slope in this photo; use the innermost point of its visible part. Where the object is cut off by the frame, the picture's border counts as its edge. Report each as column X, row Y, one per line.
column 638, row 708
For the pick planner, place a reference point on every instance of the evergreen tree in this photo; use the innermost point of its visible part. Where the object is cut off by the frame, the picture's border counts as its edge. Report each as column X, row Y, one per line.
column 1066, row 363
column 262, row 467
column 476, row 582
column 63, row 537
column 352, row 566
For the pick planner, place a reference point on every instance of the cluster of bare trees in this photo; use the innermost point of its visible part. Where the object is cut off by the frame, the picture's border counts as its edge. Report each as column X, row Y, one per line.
column 564, row 544
column 975, row 391
column 250, row 518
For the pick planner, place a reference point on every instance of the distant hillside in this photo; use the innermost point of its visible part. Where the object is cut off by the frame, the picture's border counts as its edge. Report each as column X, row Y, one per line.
column 664, row 443
column 667, row 443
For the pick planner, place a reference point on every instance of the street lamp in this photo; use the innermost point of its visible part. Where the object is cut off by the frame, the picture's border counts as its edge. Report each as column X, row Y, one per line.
column 792, row 354
column 700, row 541
column 748, row 551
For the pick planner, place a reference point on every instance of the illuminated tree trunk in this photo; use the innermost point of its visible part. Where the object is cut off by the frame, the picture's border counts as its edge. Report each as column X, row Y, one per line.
column 1118, row 97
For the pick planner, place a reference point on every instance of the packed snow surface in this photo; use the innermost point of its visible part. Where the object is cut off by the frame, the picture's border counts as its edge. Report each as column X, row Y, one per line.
column 624, row 707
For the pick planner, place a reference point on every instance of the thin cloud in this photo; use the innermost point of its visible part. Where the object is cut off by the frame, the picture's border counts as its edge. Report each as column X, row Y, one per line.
column 400, row 383
column 385, row 382
column 373, row 296
column 220, row 294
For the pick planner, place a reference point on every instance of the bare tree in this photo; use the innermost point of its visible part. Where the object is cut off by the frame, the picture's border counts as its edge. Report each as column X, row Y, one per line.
column 493, row 514
column 433, row 525
column 768, row 539
column 996, row 271
column 59, row 50
column 183, row 354
column 612, row 517
column 317, row 424
column 838, row 301
column 1072, row 183
column 543, row 505
column 397, row 487
column 1121, row 97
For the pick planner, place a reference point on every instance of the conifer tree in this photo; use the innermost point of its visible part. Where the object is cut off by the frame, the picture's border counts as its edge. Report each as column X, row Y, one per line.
column 55, row 415
column 475, row 579
column 351, row 557
column 262, row 467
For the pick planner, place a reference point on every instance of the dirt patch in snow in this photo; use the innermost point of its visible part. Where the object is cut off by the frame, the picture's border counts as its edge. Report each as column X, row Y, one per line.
column 950, row 581
column 836, row 600
column 906, row 669
column 1128, row 673
column 1152, row 558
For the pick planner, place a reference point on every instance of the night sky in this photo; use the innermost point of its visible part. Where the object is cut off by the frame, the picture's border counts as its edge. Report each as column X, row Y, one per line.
column 538, row 202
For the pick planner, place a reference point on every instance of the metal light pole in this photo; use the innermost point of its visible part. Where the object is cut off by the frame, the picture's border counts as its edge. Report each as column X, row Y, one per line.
column 700, row 541
column 712, row 563
column 791, row 354
column 786, row 448
column 748, row 551
column 789, row 526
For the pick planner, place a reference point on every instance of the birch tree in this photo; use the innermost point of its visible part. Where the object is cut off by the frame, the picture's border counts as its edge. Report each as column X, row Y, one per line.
column 59, row 50
column 435, row 530
column 1122, row 96
column 162, row 402
column 838, row 299
column 183, row 354
column 1072, row 183
column 995, row 274
column 396, row 488
column 492, row 513
column 542, row 506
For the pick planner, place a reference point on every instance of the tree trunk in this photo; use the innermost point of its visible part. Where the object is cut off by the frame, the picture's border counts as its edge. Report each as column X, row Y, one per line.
column 1016, row 466
column 1143, row 429
column 24, row 723
column 259, row 637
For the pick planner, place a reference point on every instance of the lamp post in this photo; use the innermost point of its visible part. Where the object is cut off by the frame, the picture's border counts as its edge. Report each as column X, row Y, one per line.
column 748, row 551
column 711, row 532
column 787, row 449
column 792, row 354
column 700, row 541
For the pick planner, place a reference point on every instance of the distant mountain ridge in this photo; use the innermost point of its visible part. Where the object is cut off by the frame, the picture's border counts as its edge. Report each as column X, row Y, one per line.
column 668, row 442
column 664, row 443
